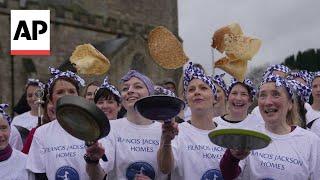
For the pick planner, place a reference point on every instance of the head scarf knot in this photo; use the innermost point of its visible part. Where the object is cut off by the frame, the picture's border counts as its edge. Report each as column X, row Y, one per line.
column 57, row 73
column 192, row 72
column 4, row 114
column 111, row 88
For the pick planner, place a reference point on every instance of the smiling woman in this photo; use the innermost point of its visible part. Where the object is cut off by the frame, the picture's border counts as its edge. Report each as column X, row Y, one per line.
column 132, row 144
column 239, row 98
column 9, row 157
column 290, row 143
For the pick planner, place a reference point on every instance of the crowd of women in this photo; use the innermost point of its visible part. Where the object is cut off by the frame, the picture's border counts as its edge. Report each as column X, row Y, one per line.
column 288, row 112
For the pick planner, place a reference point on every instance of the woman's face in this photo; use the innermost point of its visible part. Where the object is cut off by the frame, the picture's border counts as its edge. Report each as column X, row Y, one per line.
column 199, row 96
column 62, row 88
column 132, row 90
column 110, row 107
column 90, row 92
column 4, row 133
column 316, row 89
column 239, row 100
column 274, row 103
column 221, row 98
column 31, row 98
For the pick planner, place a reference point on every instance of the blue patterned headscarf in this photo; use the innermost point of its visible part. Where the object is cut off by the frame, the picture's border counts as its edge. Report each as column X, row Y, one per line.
column 280, row 82
column 276, row 67
column 57, row 73
column 246, row 82
column 4, row 114
column 219, row 80
column 192, row 72
column 161, row 90
column 302, row 90
column 303, row 74
column 111, row 88
column 143, row 78
column 35, row 81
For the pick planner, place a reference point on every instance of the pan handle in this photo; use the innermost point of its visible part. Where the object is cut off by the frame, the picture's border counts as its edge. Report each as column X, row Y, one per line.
column 104, row 157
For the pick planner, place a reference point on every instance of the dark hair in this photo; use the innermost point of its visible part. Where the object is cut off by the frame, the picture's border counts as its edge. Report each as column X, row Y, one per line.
column 94, row 83
column 247, row 88
column 65, row 78
column 105, row 94
column 30, row 84
column 45, row 117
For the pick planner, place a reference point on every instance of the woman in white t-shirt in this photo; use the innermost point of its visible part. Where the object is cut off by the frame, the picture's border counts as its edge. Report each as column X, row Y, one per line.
column 54, row 153
column 12, row 161
column 240, row 96
column 185, row 149
column 29, row 119
column 108, row 99
column 131, row 146
column 294, row 153
column 313, row 110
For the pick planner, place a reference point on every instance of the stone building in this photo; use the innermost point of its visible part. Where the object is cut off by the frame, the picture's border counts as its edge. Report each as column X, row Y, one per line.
column 118, row 28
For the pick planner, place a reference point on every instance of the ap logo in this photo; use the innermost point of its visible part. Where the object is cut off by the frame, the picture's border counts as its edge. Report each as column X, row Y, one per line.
column 30, row 32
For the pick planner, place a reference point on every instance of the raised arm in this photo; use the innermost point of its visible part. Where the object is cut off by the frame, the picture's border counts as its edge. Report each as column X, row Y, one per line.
column 165, row 157
column 229, row 163
column 93, row 167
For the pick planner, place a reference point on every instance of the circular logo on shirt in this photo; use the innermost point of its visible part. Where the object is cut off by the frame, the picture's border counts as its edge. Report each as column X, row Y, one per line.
column 67, row 173
column 212, row 174
column 140, row 168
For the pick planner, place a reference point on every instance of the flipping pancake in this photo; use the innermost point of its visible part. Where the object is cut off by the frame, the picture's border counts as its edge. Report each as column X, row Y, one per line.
column 236, row 68
column 165, row 49
column 88, row 60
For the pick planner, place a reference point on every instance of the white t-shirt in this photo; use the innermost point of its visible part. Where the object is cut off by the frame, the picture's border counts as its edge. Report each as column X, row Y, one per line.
column 58, row 154
column 25, row 120
column 310, row 116
column 132, row 149
column 15, row 140
column 14, row 167
column 187, row 114
column 294, row 156
column 250, row 122
column 194, row 154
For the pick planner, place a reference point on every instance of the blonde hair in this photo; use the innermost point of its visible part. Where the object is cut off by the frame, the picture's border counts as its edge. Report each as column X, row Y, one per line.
column 293, row 117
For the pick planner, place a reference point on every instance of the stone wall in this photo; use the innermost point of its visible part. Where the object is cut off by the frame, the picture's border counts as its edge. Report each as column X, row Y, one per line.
column 75, row 22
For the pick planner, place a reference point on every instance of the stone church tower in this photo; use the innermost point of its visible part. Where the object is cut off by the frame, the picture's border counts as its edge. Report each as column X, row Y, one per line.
column 117, row 28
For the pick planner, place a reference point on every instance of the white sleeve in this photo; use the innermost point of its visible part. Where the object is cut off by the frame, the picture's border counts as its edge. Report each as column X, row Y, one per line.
column 15, row 140
column 315, row 161
column 109, row 144
column 35, row 161
column 315, row 128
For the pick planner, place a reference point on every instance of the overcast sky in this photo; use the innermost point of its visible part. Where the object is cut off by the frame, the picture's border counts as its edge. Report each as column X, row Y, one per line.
column 284, row 26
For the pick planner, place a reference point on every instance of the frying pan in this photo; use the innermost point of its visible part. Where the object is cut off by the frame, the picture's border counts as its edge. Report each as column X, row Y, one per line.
column 159, row 107
column 239, row 139
column 82, row 119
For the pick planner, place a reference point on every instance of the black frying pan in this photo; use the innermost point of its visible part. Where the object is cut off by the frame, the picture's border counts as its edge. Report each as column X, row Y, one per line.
column 159, row 107
column 82, row 119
